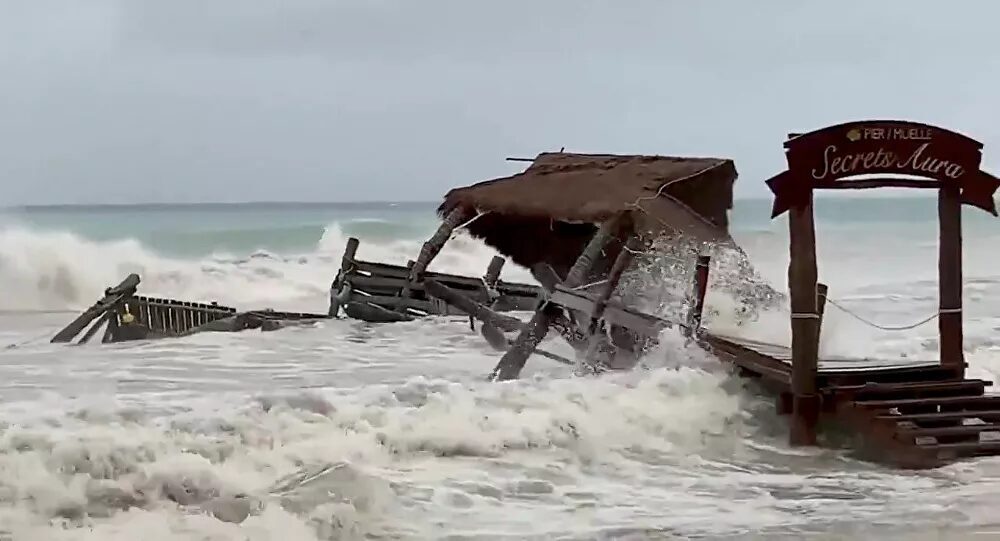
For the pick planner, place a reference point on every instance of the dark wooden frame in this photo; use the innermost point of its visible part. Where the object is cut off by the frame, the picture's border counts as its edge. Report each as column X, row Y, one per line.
column 831, row 158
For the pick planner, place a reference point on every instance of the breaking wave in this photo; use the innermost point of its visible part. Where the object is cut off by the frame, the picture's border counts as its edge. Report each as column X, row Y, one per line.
column 42, row 270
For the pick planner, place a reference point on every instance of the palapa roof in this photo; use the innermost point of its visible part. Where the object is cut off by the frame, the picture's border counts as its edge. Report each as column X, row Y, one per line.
column 546, row 214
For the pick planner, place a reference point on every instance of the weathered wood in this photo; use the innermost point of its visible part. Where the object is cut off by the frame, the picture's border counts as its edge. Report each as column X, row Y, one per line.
column 698, row 291
column 101, row 322
column 950, row 278
column 488, row 317
column 805, row 324
column 821, row 291
column 112, row 296
column 431, row 248
column 493, row 270
column 337, row 288
column 618, row 268
column 111, row 329
column 513, row 360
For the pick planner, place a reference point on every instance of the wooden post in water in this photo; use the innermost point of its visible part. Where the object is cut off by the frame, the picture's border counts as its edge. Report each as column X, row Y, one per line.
column 697, row 307
column 805, row 324
column 513, row 360
column 430, row 250
column 346, row 265
column 950, row 279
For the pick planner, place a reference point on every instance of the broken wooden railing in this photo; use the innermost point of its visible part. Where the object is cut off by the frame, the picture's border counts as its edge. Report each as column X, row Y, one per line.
column 380, row 292
column 126, row 316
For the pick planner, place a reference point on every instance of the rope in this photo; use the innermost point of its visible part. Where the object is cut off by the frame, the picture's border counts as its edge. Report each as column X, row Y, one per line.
column 479, row 215
column 927, row 319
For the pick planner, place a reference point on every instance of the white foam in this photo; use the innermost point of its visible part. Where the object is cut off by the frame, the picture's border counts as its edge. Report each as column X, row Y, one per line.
column 60, row 270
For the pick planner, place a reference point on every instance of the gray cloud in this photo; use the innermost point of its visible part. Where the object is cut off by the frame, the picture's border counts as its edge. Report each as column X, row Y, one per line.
column 150, row 100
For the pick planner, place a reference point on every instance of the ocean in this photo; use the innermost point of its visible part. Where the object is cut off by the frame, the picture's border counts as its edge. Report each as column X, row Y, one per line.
column 348, row 430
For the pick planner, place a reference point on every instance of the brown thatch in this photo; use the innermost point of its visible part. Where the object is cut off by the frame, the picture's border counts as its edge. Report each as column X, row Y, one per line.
column 547, row 213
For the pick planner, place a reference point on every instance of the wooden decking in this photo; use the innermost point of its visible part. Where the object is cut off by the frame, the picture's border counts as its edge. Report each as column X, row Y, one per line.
column 915, row 414
column 908, row 413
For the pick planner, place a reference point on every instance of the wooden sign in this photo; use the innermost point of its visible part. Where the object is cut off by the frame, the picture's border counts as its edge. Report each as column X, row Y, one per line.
column 823, row 158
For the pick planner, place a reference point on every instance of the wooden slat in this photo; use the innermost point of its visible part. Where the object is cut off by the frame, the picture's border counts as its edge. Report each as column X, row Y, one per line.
column 938, row 431
column 980, row 448
column 985, row 415
column 963, row 401
column 912, row 389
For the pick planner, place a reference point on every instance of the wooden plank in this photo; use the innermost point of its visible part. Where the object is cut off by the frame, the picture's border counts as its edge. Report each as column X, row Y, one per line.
column 911, row 389
column 957, row 401
column 984, row 415
column 454, row 281
column 155, row 317
column 950, row 277
column 960, row 430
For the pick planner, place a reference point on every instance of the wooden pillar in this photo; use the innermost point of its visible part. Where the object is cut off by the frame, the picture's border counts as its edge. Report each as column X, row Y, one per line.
column 805, row 324
column 700, row 289
column 621, row 264
column 338, row 294
column 430, row 250
column 493, row 271
column 950, row 279
column 513, row 360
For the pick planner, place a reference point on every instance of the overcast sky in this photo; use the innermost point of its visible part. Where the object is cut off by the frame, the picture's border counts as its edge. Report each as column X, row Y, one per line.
column 337, row 100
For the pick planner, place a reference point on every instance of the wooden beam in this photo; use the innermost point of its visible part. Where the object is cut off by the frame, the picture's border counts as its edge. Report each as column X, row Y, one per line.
column 821, row 291
column 513, row 360
column 338, row 295
column 805, row 324
column 698, row 292
column 432, row 248
column 887, row 182
column 950, row 279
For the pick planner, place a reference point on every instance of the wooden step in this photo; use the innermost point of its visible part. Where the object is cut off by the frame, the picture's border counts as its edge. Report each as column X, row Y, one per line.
column 901, row 375
column 947, row 416
column 960, row 430
column 966, row 402
column 870, row 391
column 963, row 449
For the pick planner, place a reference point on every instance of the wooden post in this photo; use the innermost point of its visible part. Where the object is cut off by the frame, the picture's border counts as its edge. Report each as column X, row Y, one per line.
column 430, row 250
column 491, row 278
column 493, row 271
column 513, row 360
column 337, row 287
column 112, row 296
column 700, row 289
column 621, row 263
column 805, row 324
column 821, row 290
column 950, row 279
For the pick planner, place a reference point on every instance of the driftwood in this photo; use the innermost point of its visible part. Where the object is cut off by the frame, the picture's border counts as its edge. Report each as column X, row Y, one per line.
column 125, row 316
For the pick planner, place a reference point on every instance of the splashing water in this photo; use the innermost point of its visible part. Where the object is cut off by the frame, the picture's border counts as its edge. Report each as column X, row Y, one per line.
column 348, row 431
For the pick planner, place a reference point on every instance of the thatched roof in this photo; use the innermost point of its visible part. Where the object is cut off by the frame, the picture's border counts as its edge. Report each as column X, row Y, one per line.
column 547, row 213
